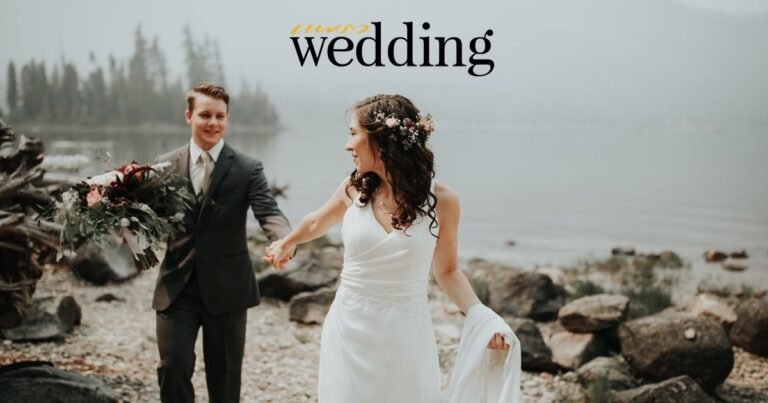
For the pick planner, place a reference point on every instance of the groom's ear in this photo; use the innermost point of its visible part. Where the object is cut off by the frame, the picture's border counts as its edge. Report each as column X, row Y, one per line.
column 188, row 115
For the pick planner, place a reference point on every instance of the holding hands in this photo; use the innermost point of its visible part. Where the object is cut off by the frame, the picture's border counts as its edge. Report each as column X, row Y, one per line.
column 279, row 253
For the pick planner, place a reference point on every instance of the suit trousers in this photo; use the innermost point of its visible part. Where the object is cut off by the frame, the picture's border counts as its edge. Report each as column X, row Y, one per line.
column 223, row 345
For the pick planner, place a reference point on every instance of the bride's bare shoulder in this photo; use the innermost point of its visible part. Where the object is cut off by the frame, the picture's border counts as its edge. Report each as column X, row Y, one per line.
column 346, row 191
column 447, row 198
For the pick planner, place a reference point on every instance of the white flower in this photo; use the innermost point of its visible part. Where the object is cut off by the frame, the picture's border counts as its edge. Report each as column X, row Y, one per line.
column 427, row 123
column 160, row 167
column 124, row 222
column 105, row 179
column 391, row 122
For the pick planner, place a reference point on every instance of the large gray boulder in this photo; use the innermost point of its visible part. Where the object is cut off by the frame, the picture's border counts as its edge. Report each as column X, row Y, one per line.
column 536, row 355
column 750, row 331
column 39, row 382
column 512, row 292
column 681, row 389
column 308, row 275
column 572, row 350
column 670, row 344
column 103, row 264
column 48, row 318
column 710, row 306
column 594, row 313
column 615, row 373
column 311, row 307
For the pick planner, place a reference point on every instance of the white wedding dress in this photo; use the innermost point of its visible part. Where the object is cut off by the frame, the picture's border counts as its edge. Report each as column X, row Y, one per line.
column 378, row 343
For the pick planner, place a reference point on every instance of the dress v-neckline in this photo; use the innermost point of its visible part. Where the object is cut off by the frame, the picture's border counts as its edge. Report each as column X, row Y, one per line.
column 378, row 224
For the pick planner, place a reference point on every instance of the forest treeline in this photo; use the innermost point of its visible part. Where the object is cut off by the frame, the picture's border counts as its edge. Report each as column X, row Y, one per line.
column 137, row 91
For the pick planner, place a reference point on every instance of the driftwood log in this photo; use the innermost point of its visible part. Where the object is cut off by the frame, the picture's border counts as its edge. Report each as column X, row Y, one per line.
column 26, row 241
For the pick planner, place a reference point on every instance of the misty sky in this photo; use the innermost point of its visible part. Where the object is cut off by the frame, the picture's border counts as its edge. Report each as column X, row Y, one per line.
column 587, row 60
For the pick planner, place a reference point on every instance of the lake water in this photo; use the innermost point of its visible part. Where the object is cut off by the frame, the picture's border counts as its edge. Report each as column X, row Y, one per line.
column 561, row 194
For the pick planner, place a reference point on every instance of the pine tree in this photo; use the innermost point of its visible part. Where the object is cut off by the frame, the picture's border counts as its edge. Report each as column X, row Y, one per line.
column 30, row 92
column 69, row 94
column 197, row 69
column 12, row 92
column 218, row 65
column 95, row 101
column 53, row 106
column 139, row 89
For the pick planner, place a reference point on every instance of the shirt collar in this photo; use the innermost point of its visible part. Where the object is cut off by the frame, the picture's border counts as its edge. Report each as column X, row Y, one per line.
column 195, row 151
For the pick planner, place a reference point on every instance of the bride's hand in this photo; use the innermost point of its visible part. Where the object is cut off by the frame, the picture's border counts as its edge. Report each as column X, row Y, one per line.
column 497, row 342
column 278, row 254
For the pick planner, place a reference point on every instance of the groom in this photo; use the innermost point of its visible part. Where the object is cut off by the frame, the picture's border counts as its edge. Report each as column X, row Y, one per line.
column 206, row 279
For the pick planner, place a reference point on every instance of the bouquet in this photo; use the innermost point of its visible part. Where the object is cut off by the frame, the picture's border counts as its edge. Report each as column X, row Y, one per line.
column 139, row 205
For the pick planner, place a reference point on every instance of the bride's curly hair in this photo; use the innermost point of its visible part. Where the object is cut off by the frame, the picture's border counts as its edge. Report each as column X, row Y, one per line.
column 410, row 166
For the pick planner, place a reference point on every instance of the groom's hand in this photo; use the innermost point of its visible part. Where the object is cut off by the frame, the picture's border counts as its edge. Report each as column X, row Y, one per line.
column 278, row 254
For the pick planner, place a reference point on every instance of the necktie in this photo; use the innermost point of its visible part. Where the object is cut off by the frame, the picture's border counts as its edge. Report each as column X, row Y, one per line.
column 207, row 167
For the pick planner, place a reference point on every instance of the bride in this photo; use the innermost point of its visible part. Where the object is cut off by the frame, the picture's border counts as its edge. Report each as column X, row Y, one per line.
column 377, row 342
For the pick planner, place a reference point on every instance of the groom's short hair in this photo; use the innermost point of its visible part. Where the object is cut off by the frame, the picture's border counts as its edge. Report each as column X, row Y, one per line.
column 211, row 90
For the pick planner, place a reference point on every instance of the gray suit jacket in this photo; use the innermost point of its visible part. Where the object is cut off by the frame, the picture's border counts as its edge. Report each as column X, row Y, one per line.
column 215, row 241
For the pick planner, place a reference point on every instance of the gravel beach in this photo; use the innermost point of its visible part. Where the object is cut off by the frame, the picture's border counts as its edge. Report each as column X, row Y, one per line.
column 116, row 343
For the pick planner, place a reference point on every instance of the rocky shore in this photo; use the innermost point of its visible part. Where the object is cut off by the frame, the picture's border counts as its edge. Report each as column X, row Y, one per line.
column 578, row 346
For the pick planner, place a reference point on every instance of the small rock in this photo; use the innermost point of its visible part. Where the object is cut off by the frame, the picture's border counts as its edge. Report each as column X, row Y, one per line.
column 623, row 251
column 554, row 273
column 711, row 306
column 109, row 297
column 613, row 371
column 48, row 318
column 594, row 313
column 571, row 376
column 750, row 331
column 711, row 256
column 739, row 254
column 690, row 333
column 735, row 265
column 681, row 389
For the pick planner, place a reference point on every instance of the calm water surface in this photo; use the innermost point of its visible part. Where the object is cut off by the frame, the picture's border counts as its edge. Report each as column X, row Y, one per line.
column 560, row 195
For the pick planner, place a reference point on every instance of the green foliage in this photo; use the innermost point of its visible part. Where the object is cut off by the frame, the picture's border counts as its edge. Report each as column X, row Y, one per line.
column 599, row 391
column 646, row 279
column 584, row 288
column 647, row 300
column 141, row 206
column 730, row 292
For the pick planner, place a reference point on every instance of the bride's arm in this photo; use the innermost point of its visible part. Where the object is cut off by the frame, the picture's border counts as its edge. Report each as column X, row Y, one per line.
column 312, row 226
column 444, row 263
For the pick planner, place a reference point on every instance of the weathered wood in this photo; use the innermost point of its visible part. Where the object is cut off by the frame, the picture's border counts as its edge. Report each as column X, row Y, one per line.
column 26, row 242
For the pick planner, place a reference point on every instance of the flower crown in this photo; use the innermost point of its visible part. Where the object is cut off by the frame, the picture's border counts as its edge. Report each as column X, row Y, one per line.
column 407, row 131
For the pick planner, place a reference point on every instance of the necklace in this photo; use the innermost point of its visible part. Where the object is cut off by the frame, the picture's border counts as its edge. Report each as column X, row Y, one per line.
column 382, row 204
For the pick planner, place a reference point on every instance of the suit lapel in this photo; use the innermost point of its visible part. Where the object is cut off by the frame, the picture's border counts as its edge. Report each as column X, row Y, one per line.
column 182, row 161
column 219, row 171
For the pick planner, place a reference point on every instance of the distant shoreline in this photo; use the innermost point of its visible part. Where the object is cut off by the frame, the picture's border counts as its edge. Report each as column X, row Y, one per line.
column 33, row 129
